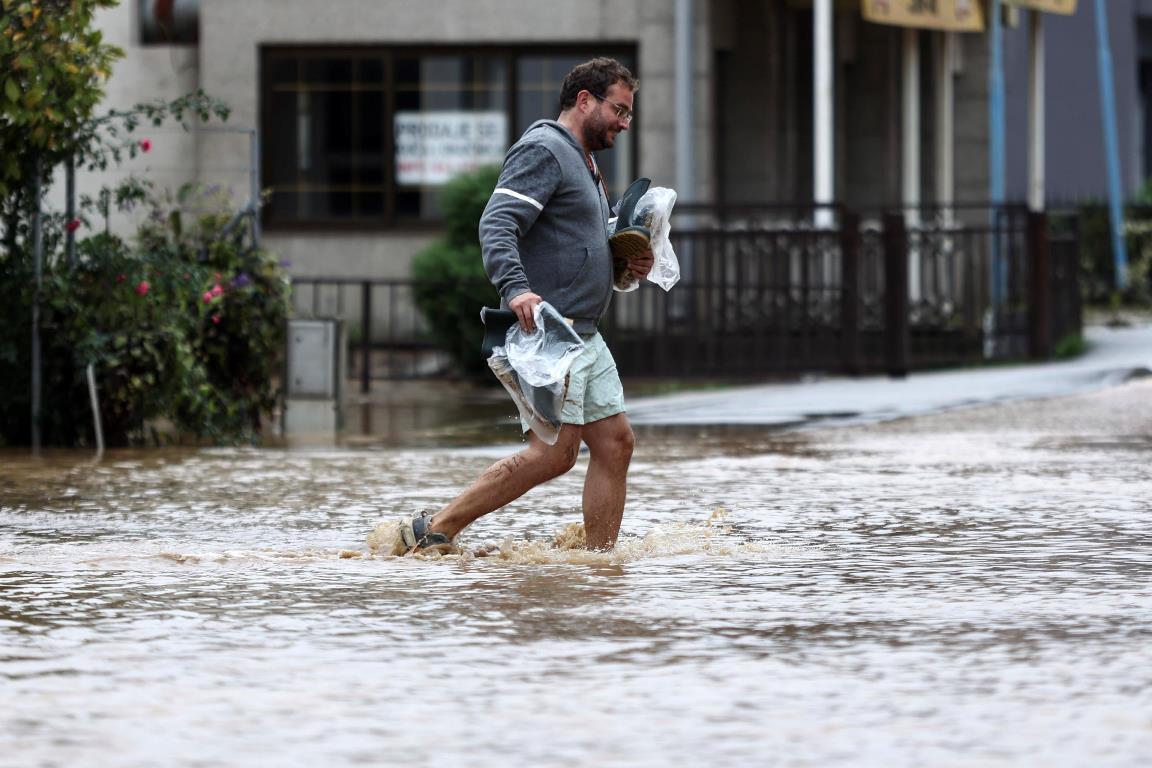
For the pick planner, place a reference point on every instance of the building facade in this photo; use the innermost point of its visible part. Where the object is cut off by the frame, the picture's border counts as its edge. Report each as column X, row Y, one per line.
column 362, row 108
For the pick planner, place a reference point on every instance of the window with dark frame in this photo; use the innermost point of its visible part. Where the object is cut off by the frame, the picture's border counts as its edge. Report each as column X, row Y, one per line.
column 366, row 137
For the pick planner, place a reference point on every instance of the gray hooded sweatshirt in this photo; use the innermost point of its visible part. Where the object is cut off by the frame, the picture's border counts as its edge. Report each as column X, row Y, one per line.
column 545, row 228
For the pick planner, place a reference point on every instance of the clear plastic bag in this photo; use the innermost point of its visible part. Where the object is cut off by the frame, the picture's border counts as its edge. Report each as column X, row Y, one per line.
column 544, row 356
column 653, row 212
column 655, row 209
column 533, row 367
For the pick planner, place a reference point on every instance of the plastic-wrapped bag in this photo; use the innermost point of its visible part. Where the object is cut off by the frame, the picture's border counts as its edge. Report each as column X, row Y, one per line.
column 544, row 356
column 655, row 209
column 650, row 217
column 533, row 367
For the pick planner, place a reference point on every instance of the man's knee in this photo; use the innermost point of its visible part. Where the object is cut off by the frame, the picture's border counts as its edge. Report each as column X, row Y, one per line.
column 558, row 459
column 616, row 444
column 624, row 443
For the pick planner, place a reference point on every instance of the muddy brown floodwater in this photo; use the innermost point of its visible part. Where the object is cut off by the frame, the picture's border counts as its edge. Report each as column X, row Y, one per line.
column 970, row 588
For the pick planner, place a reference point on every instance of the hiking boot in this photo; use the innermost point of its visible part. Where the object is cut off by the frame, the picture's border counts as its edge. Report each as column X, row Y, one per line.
column 417, row 538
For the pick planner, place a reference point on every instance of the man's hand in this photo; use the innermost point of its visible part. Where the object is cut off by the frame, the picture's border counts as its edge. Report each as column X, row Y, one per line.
column 641, row 265
column 524, row 305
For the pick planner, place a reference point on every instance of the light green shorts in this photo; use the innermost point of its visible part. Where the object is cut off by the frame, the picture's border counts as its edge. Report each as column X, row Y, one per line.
column 594, row 388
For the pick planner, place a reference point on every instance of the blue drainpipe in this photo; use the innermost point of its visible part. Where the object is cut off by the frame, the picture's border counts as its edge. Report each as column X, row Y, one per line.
column 1108, row 110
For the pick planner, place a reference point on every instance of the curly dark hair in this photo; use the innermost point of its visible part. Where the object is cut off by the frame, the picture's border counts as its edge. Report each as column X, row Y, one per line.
column 595, row 76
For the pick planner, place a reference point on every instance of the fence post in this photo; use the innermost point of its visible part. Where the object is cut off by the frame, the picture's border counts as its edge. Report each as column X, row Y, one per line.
column 1072, row 291
column 850, row 292
column 37, row 297
column 365, row 337
column 896, row 331
column 1040, row 271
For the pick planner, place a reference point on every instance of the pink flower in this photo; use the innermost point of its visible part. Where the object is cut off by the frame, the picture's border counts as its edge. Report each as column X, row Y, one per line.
column 145, row 145
column 217, row 290
column 120, row 278
column 216, row 319
column 73, row 225
column 207, row 296
column 142, row 289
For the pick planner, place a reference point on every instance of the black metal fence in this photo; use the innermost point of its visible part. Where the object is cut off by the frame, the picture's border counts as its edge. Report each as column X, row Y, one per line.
column 773, row 291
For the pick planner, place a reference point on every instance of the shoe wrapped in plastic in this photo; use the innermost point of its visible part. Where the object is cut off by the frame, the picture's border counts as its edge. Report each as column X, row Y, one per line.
column 533, row 367
column 643, row 223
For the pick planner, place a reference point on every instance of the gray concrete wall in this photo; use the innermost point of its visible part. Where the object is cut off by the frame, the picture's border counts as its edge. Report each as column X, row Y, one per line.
column 144, row 74
column 749, row 94
column 870, row 115
column 971, row 120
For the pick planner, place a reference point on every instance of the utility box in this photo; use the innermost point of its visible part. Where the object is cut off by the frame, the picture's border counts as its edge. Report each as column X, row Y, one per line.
column 314, row 377
column 313, row 357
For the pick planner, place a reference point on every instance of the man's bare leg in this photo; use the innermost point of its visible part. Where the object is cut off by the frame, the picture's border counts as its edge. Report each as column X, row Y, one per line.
column 610, row 442
column 509, row 479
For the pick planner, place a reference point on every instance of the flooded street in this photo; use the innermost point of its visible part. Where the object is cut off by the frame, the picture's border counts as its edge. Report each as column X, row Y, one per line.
column 968, row 588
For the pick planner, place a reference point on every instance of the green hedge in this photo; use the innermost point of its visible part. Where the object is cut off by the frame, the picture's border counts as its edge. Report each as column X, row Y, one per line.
column 184, row 325
column 1097, row 264
column 451, row 284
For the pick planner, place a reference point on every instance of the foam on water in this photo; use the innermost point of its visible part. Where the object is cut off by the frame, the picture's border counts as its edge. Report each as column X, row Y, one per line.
column 712, row 537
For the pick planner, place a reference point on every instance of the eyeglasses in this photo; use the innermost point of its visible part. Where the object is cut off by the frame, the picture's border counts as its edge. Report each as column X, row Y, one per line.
column 622, row 112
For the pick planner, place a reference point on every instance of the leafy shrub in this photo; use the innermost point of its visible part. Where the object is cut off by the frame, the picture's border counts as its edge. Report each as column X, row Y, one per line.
column 128, row 309
column 451, row 284
column 186, row 324
column 1097, row 264
column 1069, row 347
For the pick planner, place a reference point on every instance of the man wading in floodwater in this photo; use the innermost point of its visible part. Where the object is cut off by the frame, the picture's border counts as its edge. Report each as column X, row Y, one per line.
column 544, row 235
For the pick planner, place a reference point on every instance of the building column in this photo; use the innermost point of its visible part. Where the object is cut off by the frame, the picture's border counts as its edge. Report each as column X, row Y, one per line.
column 945, row 124
column 823, row 114
column 911, row 133
column 685, row 108
column 1036, row 111
column 911, row 152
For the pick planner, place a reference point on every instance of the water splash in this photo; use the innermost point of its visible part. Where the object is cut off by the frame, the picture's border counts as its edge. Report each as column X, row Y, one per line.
column 713, row 537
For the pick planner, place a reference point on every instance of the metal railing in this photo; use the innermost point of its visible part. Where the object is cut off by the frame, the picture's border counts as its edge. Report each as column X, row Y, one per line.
column 765, row 291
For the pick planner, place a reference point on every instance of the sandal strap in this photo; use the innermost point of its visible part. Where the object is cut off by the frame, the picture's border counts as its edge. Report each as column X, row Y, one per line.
column 425, row 537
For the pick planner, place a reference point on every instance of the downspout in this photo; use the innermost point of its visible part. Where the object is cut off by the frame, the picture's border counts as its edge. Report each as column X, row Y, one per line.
column 1108, row 109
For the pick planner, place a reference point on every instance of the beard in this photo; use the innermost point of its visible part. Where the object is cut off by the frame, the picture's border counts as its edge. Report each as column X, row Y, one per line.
column 598, row 133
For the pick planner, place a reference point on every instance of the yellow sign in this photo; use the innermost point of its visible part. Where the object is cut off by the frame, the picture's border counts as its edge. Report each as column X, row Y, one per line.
column 951, row 15
column 1066, row 7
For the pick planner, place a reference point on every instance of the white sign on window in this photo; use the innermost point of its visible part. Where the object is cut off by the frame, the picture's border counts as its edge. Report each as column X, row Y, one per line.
column 432, row 147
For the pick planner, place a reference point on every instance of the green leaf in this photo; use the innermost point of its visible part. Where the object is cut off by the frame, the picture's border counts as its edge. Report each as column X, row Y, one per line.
column 11, row 90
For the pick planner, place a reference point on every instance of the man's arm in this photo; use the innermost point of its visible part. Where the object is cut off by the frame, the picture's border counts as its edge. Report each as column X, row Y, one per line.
column 527, row 182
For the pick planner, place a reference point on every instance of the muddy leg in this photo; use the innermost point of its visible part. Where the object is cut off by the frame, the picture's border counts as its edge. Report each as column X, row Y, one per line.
column 509, row 479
